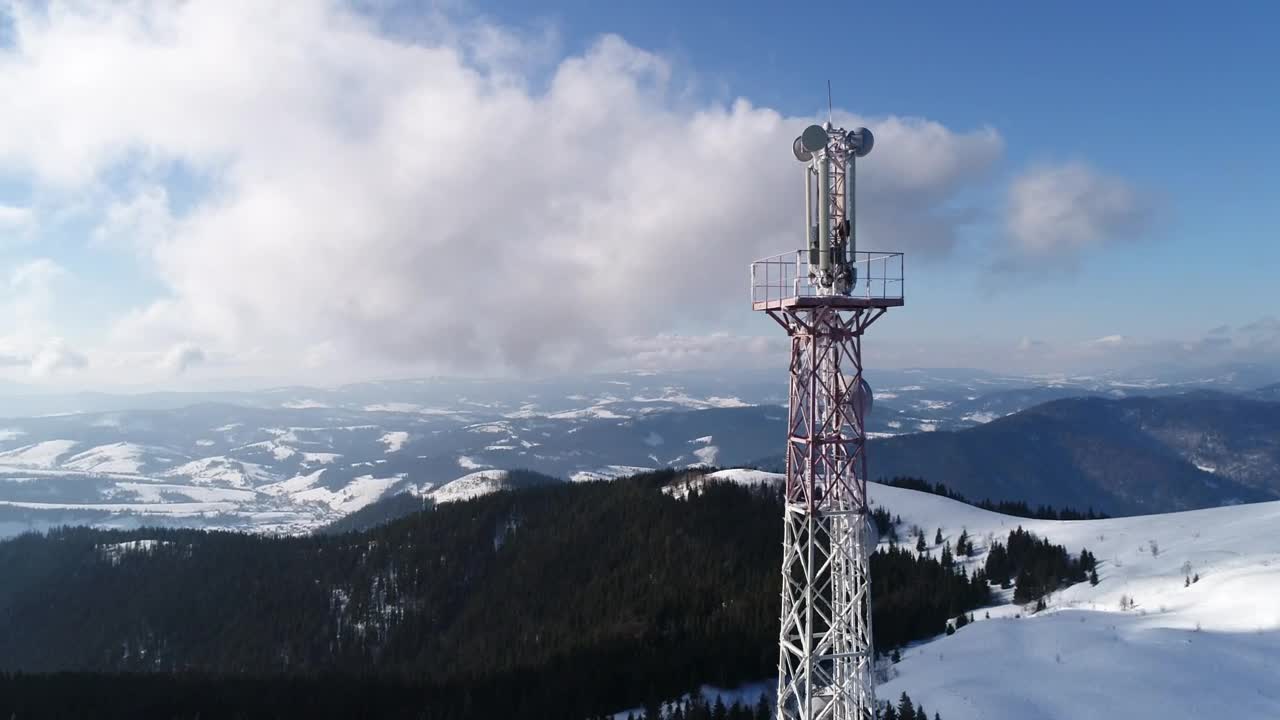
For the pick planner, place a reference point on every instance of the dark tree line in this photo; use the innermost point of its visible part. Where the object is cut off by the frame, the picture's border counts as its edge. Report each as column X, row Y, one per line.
column 1035, row 566
column 905, row 710
column 556, row 601
column 914, row 596
column 886, row 524
column 553, row 601
column 1004, row 507
column 700, row 708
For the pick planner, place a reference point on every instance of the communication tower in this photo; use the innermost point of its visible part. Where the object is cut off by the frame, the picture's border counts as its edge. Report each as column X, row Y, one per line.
column 825, row 296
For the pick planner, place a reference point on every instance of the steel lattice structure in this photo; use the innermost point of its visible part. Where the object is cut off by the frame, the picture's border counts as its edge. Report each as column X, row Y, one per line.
column 824, row 662
column 825, row 297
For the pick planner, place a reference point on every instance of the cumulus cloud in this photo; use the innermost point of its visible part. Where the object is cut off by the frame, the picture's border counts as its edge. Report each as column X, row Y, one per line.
column 55, row 356
column 428, row 198
column 141, row 221
column 181, row 357
column 27, row 297
column 1055, row 213
column 14, row 220
column 35, row 275
column 29, row 339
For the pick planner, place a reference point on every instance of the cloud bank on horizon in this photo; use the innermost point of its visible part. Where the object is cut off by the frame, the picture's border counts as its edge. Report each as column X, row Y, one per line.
column 309, row 193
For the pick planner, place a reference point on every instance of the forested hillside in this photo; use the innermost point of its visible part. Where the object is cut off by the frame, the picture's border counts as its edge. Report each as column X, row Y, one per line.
column 564, row 600
column 1122, row 457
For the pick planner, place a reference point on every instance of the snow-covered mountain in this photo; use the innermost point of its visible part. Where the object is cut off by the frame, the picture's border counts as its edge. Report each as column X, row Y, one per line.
column 292, row 459
column 1143, row 643
column 1121, row 456
column 294, row 469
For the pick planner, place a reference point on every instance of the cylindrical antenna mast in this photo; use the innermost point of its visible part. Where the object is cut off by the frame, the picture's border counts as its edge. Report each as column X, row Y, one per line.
column 830, row 153
column 824, row 218
column 850, row 211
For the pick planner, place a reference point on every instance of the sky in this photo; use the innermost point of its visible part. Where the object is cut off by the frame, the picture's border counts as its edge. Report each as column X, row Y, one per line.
column 218, row 191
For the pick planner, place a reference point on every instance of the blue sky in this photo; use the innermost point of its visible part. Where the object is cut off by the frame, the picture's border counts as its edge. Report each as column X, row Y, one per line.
column 211, row 191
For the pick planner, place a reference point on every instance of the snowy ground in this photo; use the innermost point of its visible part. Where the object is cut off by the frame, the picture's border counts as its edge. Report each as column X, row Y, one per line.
column 1212, row 648
column 467, row 487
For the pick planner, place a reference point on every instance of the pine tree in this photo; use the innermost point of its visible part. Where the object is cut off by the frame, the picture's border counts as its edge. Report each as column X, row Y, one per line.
column 896, row 657
column 763, row 708
column 964, row 546
column 906, row 711
column 719, row 712
column 889, row 712
column 1093, row 577
column 937, row 539
column 920, row 713
column 920, row 545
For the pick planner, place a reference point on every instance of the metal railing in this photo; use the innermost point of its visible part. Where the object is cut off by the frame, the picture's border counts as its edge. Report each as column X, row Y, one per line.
column 782, row 277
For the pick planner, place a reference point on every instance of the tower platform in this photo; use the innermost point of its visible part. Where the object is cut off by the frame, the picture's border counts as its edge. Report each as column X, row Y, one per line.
column 782, row 282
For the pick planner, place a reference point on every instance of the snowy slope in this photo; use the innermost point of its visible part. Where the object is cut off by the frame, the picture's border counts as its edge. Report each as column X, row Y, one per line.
column 121, row 457
column 351, row 497
column 1181, row 652
column 470, row 486
column 737, row 476
column 38, row 455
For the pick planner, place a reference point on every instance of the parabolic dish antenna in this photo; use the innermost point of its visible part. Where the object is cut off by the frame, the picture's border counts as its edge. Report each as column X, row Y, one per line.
column 814, row 138
column 797, row 147
column 862, row 141
column 861, row 399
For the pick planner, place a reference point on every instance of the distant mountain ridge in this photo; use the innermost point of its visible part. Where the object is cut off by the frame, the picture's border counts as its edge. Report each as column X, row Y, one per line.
column 1127, row 456
column 294, row 459
column 1269, row 393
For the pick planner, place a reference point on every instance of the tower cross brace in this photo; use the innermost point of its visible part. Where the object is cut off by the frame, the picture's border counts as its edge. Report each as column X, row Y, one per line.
column 825, row 643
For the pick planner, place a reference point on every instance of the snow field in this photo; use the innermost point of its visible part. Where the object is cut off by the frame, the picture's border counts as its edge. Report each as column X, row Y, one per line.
column 1211, row 648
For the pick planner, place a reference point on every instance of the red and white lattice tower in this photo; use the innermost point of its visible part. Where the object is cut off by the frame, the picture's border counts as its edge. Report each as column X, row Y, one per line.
column 825, row 296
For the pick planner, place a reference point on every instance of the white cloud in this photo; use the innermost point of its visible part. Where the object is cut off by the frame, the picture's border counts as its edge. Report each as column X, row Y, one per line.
column 369, row 199
column 55, row 356
column 35, row 276
column 29, row 340
column 1055, row 213
column 15, row 220
column 142, row 221
column 26, row 304
column 181, row 357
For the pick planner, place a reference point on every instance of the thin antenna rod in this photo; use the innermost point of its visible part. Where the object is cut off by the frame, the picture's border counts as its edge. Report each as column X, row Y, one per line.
column 829, row 112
